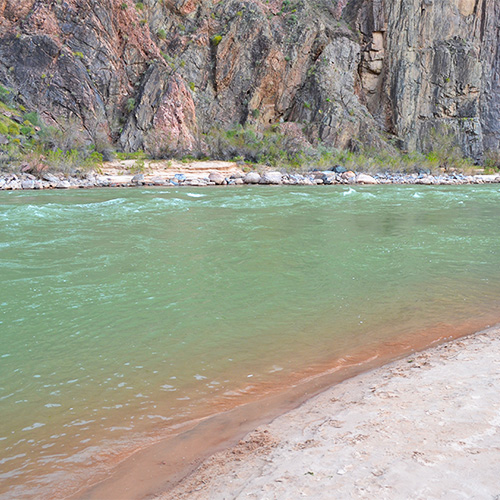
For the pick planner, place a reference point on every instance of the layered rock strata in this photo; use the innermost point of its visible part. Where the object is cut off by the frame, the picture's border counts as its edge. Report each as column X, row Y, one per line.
column 160, row 74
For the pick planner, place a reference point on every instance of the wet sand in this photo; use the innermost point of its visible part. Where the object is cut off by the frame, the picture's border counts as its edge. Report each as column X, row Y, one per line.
column 357, row 429
column 426, row 426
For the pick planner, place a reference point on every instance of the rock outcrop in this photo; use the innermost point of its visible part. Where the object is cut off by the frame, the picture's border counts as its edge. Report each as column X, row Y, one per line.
column 160, row 74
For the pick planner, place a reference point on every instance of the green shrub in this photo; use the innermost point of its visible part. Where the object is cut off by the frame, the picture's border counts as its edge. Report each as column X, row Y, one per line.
column 130, row 104
column 27, row 131
column 14, row 129
column 161, row 34
column 252, row 145
column 4, row 130
column 5, row 95
column 138, row 167
column 215, row 40
column 33, row 118
column 136, row 155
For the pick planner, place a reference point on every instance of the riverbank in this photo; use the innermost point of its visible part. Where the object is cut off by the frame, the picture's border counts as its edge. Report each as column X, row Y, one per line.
column 426, row 426
column 133, row 173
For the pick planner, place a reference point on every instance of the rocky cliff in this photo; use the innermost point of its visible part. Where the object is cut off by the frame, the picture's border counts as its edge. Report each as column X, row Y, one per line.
column 158, row 74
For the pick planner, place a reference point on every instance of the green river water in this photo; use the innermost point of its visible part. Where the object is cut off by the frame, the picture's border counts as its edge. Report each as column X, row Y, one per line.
column 126, row 312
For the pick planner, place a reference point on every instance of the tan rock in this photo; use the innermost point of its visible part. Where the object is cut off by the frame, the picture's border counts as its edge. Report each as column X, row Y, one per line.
column 365, row 179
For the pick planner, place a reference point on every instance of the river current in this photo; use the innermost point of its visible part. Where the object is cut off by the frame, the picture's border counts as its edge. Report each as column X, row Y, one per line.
column 125, row 313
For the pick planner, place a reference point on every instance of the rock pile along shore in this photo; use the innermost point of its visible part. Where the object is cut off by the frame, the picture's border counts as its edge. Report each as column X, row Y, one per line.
column 10, row 182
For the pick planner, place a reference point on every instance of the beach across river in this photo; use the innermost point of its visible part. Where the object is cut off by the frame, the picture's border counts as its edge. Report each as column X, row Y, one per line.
column 161, row 173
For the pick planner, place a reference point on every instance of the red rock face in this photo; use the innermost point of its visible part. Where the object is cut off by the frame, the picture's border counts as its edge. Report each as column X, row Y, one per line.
column 346, row 72
column 175, row 119
column 14, row 10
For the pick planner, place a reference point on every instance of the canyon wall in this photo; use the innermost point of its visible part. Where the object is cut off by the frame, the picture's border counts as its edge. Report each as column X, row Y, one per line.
column 159, row 74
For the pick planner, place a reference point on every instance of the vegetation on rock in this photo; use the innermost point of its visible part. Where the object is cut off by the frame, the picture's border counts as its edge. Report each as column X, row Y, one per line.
column 28, row 144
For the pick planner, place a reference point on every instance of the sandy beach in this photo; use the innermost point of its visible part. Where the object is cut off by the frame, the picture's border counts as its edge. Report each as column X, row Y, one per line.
column 424, row 427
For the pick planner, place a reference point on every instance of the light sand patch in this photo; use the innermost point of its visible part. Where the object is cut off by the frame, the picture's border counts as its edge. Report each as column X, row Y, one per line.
column 122, row 171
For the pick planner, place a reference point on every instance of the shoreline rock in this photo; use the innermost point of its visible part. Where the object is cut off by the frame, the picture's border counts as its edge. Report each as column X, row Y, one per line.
column 14, row 182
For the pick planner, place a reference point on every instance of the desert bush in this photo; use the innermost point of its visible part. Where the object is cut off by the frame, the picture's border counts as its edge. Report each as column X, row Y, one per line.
column 34, row 118
column 6, row 95
column 66, row 136
column 139, row 167
column 268, row 146
column 491, row 162
column 100, row 140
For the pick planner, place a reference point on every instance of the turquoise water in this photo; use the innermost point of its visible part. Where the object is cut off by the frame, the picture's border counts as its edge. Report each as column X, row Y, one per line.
column 124, row 313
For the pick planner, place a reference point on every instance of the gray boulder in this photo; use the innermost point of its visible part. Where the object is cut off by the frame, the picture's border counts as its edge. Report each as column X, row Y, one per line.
column 158, row 181
column 50, row 178
column 138, row 178
column 271, row 178
column 251, row 178
column 216, row 177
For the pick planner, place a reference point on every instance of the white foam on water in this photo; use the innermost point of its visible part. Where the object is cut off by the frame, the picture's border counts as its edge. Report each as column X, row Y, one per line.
column 169, row 388
column 349, row 192
column 36, row 425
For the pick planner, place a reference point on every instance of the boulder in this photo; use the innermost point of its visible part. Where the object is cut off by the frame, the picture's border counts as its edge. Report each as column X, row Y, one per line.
column 348, row 175
column 14, row 184
column 50, row 178
column 138, row 178
column 329, row 178
column 28, row 184
column 365, row 179
column 271, row 178
column 251, row 178
column 425, row 180
column 216, row 177
column 63, row 185
column 338, row 169
column 158, row 181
